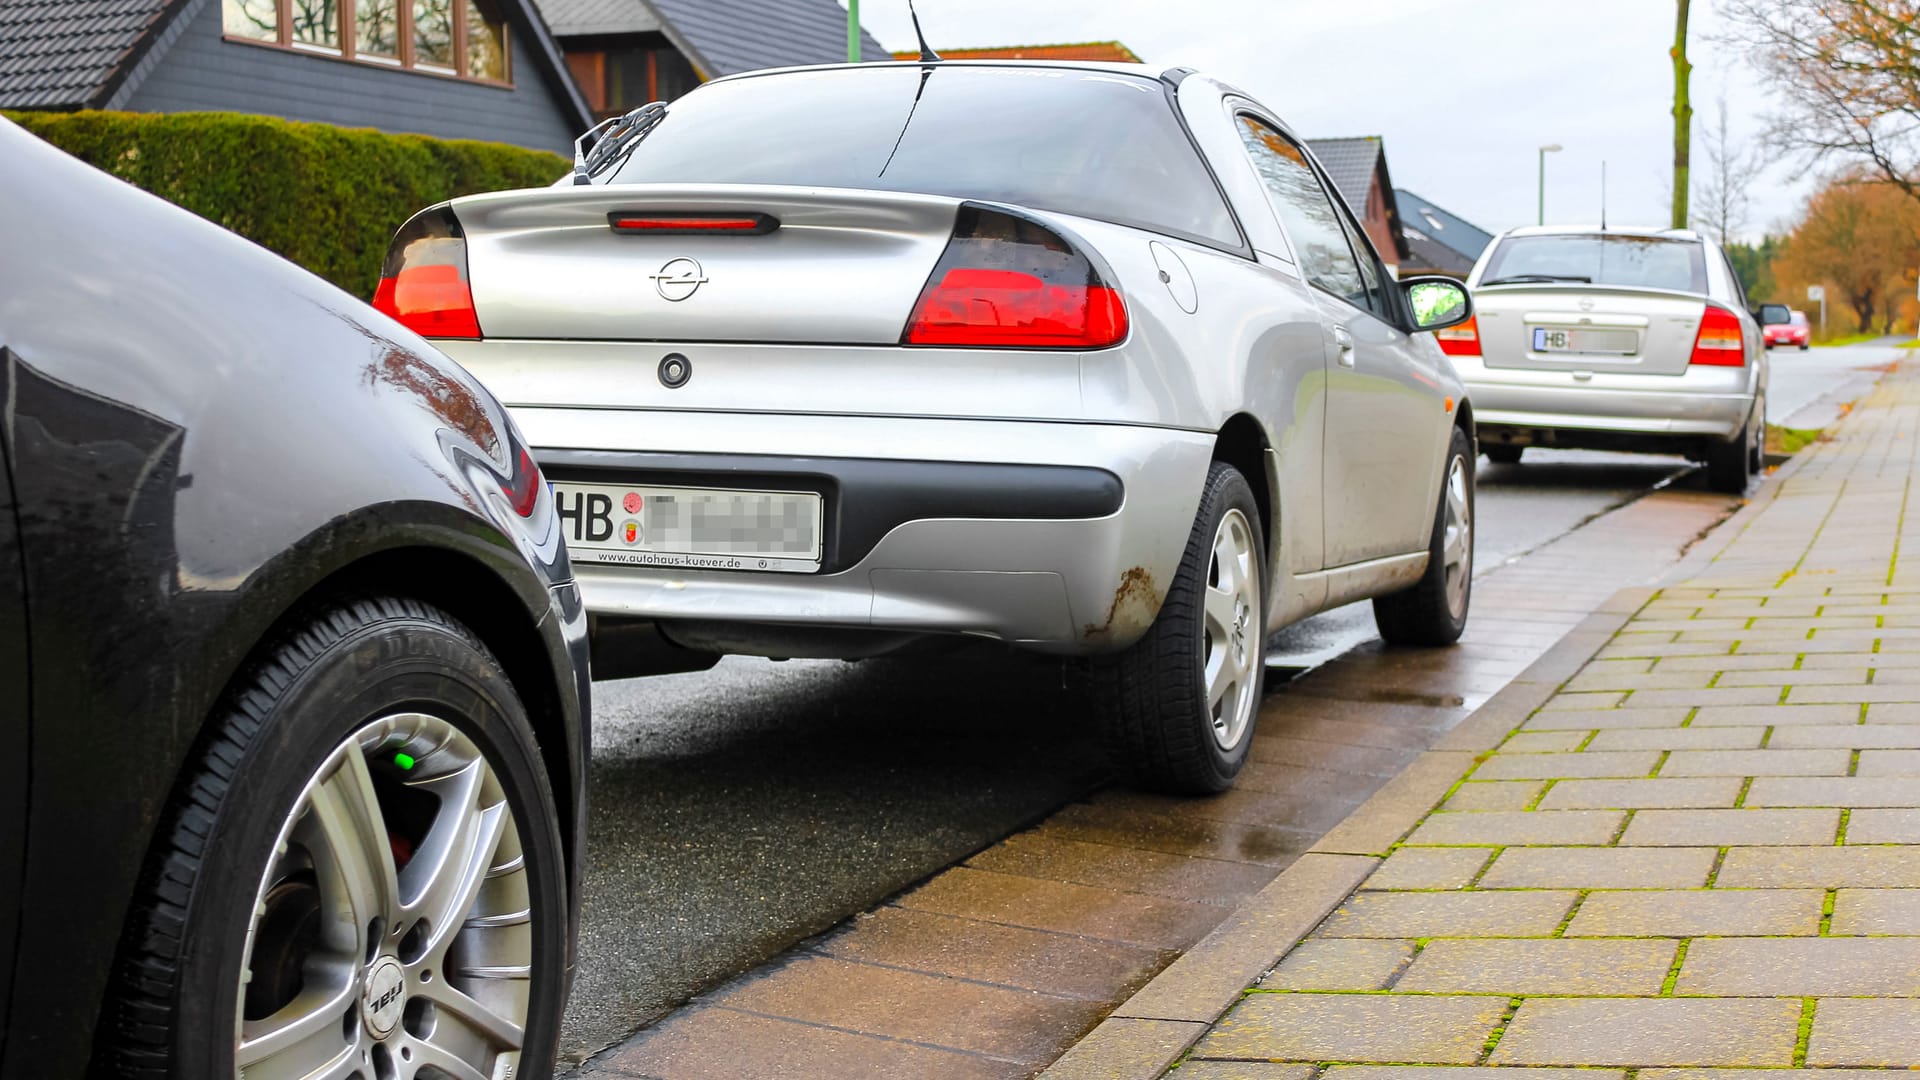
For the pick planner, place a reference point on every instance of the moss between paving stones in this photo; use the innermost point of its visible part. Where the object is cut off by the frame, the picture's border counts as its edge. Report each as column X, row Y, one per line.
column 328, row 198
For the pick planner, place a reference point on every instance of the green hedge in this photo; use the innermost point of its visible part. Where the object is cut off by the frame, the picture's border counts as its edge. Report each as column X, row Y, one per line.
column 328, row 198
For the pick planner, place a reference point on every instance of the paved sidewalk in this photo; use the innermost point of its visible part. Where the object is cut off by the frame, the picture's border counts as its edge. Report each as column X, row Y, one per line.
column 1702, row 850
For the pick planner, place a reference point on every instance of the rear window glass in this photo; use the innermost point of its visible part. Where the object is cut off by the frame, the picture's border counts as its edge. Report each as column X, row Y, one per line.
column 1093, row 144
column 1645, row 262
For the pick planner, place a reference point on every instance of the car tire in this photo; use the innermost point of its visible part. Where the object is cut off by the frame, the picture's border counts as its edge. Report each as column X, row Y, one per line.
column 1804, row 348
column 378, row 734
column 1730, row 465
column 1434, row 611
column 1168, row 725
column 1501, row 454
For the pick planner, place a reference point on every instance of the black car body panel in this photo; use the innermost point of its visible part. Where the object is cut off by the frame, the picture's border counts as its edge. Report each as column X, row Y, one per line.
column 13, row 732
column 202, row 437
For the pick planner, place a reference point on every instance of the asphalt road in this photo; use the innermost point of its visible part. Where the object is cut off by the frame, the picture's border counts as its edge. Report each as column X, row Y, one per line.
column 740, row 810
column 1806, row 389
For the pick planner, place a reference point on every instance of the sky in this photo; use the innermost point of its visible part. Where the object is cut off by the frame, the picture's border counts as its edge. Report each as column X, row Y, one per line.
column 1464, row 92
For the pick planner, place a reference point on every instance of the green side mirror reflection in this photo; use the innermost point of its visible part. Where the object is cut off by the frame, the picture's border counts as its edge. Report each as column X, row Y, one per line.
column 1436, row 302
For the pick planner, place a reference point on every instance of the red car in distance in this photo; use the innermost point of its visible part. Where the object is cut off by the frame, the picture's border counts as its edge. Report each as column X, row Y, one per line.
column 1794, row 331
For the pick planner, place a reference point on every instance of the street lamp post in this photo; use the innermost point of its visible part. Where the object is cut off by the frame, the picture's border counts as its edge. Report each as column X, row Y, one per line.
column 1550, row 148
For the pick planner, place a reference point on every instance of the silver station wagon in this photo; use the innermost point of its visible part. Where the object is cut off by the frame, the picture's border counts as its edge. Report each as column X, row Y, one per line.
column 1615, row 339
column 1090, row 360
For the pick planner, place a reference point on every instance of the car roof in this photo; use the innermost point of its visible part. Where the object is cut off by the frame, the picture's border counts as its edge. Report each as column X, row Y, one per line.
column 1610, row 230
column 1147, row 71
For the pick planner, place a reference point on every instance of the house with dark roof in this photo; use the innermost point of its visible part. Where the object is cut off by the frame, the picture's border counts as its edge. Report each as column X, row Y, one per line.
column 625, row 53
column 1358, row 167
column 467, row 69
column 1107, row 51
column 1441, row 241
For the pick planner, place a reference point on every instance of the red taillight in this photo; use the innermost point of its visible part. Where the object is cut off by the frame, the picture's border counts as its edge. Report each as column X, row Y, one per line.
column 424, row 281
column 1009, row 283
column 1462, row 340
column 686, row 224
column 1721, row 343
column 523, row 488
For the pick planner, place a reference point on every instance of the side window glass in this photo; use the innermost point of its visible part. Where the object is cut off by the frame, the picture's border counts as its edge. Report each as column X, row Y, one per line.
column 1308, row 214
column 1370, row 269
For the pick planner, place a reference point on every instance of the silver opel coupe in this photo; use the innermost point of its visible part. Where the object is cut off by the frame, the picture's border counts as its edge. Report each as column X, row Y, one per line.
column 1615, row 339
column 1088, row 359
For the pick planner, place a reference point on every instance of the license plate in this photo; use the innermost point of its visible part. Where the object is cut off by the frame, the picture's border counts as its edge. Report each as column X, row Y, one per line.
column 1610, row 342
column 692, row 528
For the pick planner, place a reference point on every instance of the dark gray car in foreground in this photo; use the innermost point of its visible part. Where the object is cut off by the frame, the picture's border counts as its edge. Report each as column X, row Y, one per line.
column 292, row 670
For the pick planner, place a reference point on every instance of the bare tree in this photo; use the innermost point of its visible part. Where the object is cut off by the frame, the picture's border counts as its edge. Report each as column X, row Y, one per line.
column 1724, row 203
column 1682, row 119
column 1848, row 72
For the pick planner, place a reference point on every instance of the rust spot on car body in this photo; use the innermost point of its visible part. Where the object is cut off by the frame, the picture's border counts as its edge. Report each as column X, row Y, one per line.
column 1136, row 603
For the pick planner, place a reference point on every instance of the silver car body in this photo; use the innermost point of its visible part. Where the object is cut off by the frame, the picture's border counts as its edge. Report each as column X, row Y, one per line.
column 1650, row 398
column 1339, row 419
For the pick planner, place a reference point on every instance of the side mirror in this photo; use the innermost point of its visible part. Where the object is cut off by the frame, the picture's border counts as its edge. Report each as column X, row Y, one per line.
column 1775, row 314
column 1437, row 302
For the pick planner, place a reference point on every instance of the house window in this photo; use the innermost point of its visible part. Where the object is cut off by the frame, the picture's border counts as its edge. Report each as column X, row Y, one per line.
column 464, row 38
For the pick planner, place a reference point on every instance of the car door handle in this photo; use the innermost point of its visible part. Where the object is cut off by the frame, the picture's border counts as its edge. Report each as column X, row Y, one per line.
column 1343, row 338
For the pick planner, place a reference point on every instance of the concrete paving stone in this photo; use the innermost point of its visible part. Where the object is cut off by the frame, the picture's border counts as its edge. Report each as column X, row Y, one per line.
column 1495, row 795
column 1866, row 658
column 1728, row 828
column 1340, row 964
column 1888, row 763
column 1865, row 1033
column 1687, row 738
column 1429, row 868
column 1809, row 647
column 1881, row 826
column 953, row 1013
column 1699, row 912
column 1645, row 624
column 1897, row 673
column 1520, row 827
column 1470, row 1072
column 1747, row 634
column 1449, row 914
column 1038, row 853
column 1633, row 650
column 1053, row 963
column 1339, row 757
column 1853, row 791
column 1544, row 742
column 1399, row 805
column 1119, row 1049
column 1776, row 716
column 1769, row 1074
column 1703, row 792
column 1242, row 1070
column 1818, row 623
column 1757, row 763
column 1801, row 967
column 1820, row 868
column 1606, row 719
column 1727, row 662
column 1562, row 766
column 1600, row 868
column 1040, row 904
column 1355, row 1027
column 1731, row 695
column 1853, row 736
column 1667, row 680
column 1116, row 823
column 1660, row 1031
column 1876, row 911
column 721, row 1044
column 1584, row 702
column 1517, row 968
column 1622, row 667
column 1202, row 984
column 1878, row 692
column 1894, row 712
column 1809, row 677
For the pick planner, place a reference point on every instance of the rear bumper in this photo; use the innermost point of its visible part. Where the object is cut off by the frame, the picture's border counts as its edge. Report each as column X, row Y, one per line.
column 1559, row 408
column 1058, row 537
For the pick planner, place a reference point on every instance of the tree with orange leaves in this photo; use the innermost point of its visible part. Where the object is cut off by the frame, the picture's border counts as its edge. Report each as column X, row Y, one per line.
column 1860, row 238
column 1848, row 72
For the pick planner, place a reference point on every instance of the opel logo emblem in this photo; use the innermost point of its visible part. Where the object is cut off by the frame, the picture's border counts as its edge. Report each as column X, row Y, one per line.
column 679, row 279
column 1586, row 303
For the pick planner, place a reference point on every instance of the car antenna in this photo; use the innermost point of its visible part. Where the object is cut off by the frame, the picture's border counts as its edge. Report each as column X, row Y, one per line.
column 927, row 55
column 1603, row 196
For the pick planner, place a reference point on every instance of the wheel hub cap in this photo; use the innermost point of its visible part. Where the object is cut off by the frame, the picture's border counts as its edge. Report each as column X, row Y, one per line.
column 1230, row 652
column 385, row 997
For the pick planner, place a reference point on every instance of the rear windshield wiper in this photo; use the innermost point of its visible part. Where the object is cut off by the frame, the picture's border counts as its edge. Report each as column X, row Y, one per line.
column 612, row 141
column 1534, row 279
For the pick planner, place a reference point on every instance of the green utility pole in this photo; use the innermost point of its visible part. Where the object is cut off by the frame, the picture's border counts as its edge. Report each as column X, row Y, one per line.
column 853, row 31
column 1682, row 120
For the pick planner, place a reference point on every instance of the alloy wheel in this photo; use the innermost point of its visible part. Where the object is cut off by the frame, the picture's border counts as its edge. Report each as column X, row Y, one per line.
column 391, row 933
column 1456, row 541
column 1232, row 650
